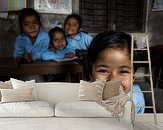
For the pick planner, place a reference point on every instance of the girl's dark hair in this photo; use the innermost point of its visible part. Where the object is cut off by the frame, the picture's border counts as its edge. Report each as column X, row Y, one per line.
column 28, row 12
column 108, row 39
column 75, row 16
column 56, row 29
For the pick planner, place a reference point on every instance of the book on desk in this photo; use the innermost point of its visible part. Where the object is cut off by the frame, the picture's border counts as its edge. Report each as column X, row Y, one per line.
column 65, row 59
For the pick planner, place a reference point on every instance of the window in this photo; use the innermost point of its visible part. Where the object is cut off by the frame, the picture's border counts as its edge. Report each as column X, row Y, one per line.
column 102, row 15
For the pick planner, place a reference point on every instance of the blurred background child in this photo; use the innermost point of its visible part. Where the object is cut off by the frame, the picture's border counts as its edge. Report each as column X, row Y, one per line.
column 57, row 50
column 31, row 42
column 78, row 40
column 58, row 46
column 75, row 37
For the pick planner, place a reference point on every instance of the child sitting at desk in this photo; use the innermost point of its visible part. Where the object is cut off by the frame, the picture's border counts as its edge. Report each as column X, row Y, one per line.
column 57, row 50
column 32, row 42
column 78, row 40
column 57, row 47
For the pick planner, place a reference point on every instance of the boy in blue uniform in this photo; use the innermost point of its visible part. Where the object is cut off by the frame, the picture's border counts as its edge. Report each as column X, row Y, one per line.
column 32, row 42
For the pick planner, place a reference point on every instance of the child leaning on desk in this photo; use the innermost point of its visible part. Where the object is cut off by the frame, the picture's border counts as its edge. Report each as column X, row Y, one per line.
column 78, row 40
column 31, row 42
column 58, row 46
column 109, row 59
column 57, row 50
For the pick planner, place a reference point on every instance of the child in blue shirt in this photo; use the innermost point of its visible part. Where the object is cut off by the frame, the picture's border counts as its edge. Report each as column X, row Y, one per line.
column 57, row 50
column 78, row 40
column 75, row 37
column 57, row 46
column 32, row 42
column 109, row 59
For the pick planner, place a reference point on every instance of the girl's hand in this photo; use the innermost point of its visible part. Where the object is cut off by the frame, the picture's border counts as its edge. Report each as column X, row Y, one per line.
column 51, row 48
column 15, row 62
column 69, row 55
column 28, row 58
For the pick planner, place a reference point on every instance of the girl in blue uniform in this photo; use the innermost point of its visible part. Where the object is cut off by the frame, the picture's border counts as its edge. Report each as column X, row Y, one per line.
column 58, row 46
column 109, row 59
column 75, row 37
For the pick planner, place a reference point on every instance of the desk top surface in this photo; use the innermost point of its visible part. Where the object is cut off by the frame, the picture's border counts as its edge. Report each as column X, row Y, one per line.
column 6, row 61
column 38, row 67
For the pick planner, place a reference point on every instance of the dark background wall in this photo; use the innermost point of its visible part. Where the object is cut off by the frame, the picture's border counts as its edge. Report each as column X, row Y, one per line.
column 9, row 28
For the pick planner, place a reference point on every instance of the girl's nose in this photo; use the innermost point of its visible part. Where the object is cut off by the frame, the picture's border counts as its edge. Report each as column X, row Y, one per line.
column 32, row 26
column 113, row 76
column 60, row 42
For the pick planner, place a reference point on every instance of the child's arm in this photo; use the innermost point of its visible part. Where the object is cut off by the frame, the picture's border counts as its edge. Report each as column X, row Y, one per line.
column 28, row 58
column 49, row 55
column 19, row 48
column 138, row 98
column 43, row 46
column 87, row 39
column 69, row 55
column 51, row 48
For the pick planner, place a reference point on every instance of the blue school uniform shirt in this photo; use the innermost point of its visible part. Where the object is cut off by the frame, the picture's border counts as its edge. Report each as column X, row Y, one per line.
column 138, row 98
column 80, row 41
column 24, row 46
column 52, row 55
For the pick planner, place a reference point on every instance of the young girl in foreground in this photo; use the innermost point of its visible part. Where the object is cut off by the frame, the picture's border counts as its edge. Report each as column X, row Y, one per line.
column 32, row 42
column 109, row 59
column 57, row 46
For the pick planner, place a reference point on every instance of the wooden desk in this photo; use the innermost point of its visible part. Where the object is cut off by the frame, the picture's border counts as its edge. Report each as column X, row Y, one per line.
column 41, row 67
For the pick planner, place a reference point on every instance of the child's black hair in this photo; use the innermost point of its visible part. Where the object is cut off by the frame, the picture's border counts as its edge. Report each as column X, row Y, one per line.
column 75, row 16
column 56, row 29
column 108, row 39
column 28, row 12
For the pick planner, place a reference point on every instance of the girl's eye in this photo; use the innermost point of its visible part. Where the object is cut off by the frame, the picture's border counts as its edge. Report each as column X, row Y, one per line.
column 103, row 71
column 124, row 71
column 62, row 39
column 36, row 22
column 25, row 24
column 56, row 40
column 68, row 24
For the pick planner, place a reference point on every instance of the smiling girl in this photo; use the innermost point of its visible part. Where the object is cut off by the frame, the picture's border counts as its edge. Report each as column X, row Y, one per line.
column 109, row 59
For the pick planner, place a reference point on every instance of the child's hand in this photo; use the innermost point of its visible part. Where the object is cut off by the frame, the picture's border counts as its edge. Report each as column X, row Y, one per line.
column 28, row 58
column 69, row 55
column 15, row 62
column 51, row 48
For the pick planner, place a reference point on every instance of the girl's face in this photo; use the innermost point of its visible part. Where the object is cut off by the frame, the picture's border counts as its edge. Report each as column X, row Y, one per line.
column 59, row 41
column 113, row 64
column 31, row 26
column 72, row 27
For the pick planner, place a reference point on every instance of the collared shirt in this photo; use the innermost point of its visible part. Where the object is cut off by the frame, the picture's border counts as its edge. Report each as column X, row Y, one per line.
column 80, row 41
column 138, row 98
column 24, row 46
column 52, row 55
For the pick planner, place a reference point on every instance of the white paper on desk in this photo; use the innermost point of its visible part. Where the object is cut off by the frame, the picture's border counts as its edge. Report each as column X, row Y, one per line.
column 4, row 15
column 65, row 59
